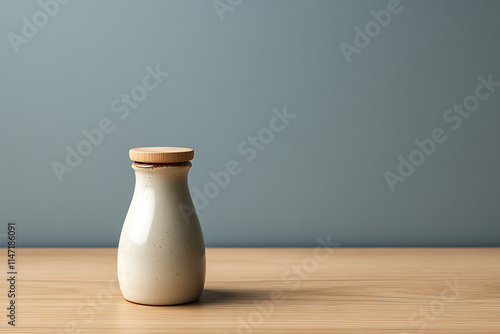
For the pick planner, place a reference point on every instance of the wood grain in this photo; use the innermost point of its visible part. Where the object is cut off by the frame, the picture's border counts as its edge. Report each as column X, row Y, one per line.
column 161, row 155
column 300, row 290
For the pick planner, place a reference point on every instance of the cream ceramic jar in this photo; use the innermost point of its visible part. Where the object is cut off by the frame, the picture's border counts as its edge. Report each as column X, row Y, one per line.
column 161, row 254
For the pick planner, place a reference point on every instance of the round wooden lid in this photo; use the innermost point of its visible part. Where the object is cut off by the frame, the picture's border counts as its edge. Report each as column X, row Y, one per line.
column 161, row 155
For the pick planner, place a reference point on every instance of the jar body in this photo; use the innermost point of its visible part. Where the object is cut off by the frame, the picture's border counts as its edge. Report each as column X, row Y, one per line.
column 161, row 254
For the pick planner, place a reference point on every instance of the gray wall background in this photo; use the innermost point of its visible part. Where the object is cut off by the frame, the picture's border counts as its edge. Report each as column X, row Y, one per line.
column 322, row 175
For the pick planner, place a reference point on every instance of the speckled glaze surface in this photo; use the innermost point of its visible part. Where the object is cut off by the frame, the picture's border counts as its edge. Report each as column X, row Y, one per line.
column 161, row 254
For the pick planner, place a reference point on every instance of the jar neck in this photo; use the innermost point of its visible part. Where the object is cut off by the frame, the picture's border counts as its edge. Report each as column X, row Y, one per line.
column 162, row 175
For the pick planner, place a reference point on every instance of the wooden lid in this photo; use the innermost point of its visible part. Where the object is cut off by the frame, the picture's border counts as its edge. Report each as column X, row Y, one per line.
column 161, row 155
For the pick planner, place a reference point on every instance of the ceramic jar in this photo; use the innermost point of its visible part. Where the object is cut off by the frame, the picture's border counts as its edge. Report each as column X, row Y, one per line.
column 161, row 254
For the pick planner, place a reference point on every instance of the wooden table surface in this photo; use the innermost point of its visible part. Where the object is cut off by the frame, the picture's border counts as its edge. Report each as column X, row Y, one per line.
column 298, row 290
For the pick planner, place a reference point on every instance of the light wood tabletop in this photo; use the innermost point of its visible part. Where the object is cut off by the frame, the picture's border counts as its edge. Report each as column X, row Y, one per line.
column 262, row 290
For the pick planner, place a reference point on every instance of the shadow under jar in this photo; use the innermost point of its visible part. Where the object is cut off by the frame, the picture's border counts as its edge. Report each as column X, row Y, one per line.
column 161, row 254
